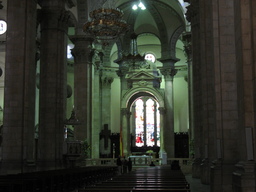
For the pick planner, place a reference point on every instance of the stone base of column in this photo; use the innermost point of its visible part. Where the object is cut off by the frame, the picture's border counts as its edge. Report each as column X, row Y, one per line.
column 244, row 177
column 221, row 176
column 196, row 168
column 205, row 172
column 215, row 176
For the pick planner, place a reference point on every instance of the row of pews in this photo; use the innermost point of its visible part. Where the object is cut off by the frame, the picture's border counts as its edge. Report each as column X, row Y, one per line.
column 160, row 178
column 64, row 180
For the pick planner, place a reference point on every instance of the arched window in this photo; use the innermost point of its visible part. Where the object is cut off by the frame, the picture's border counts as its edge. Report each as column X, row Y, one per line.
column 147, row 122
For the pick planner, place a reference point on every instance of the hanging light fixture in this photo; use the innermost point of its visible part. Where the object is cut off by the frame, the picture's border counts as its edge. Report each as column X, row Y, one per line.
column 106, row 24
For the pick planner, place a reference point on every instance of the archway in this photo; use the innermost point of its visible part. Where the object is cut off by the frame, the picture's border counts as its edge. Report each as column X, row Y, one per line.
column 151, row 142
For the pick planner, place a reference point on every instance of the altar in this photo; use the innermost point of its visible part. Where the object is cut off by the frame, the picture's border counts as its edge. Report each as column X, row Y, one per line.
column 140, row 159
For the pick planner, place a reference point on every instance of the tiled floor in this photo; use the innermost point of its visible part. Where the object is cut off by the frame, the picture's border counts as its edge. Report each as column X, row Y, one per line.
column 196, row 185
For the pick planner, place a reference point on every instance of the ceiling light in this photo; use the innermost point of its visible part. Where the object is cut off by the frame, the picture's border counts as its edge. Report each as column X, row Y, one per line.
column 134, row 7
column 140, row 5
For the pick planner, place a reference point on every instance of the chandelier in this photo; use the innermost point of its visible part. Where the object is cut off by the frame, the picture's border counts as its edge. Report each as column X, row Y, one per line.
column 106, row 24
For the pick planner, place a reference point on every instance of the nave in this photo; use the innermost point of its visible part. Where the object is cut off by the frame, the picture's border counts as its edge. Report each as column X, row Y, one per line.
column 159, row 178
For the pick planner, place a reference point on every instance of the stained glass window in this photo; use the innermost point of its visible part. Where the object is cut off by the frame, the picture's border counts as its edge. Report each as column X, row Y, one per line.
column 147, row 122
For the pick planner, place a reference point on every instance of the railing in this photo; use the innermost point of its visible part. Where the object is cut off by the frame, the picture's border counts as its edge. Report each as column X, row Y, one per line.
column 138, row 161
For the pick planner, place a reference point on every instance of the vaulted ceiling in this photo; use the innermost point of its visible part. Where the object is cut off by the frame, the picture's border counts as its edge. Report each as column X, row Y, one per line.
column 157, row 25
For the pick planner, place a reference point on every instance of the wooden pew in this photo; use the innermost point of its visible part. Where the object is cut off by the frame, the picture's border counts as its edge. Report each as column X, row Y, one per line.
column 64, row 180
column 157, row 179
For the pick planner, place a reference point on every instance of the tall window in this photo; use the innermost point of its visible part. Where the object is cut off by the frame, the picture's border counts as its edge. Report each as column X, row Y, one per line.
column 147, row 122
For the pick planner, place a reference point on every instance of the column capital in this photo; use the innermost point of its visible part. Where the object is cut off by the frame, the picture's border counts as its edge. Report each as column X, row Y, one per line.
column 192, row 13
column 122, row 72
column 81, row 40
column 186, row 38
column 106, row 81
column 82, row 51
column 125, row 112
column 55, row 19
column 169, row 73
column 81, row 55
column 162, row 110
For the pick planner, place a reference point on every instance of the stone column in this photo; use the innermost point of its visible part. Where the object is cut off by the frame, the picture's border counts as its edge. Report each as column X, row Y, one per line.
column 96, row 113
column 244, row 176
column 83, row 61
column 188, row 51
column 162, row 133
column 53, row 85
column 19, row 93
column 227, row 92
column 106, row 81
column 169, row 111
column 125, row 132
column 155, row 125
column 133, row 124
column 192, row 16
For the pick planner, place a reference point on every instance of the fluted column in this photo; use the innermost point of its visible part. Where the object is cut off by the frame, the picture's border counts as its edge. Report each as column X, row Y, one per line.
column 53, row 86
column 19, row 93
column 169, row 107
column 82, row 91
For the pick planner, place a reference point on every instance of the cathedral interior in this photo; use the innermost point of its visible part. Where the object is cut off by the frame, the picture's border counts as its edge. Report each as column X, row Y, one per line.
column 83, row 80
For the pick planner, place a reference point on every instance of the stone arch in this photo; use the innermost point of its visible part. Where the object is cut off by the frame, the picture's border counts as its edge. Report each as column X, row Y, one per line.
column 134, row 93
column 174, row 40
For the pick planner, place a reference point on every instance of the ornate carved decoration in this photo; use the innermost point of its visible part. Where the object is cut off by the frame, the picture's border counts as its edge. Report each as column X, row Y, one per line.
column 143, row 83
column 106, row 81
column 192, row 12
column 125, row 112
column 1, row 6
column 169, row 73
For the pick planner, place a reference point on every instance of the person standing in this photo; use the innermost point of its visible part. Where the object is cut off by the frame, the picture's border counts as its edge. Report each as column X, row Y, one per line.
column 129, row 165
column 119, row 165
